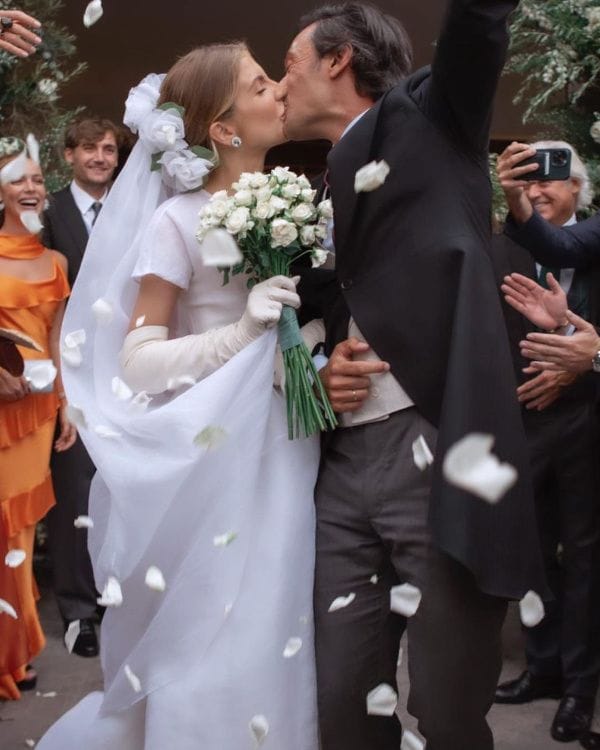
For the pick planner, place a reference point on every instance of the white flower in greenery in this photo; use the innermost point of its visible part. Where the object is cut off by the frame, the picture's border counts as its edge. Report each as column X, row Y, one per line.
column 238, row 220
column 325, row 209
column 183, row 170
column 282, row 174
column 258, row 180
column 371, row 176
column 302, row 213
column 243, row 198
column 308, row 235
column 263, row 194
column 263, row 211
column 308, row 195
column 595, row 131
column 162, row 130
column 593, row 18
column 47, row 87
column 279, row 205
column 291, row 191
column 283, row 233
column 318, row 257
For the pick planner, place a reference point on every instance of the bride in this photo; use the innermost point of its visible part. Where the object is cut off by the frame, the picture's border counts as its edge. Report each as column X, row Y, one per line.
column 202, row 509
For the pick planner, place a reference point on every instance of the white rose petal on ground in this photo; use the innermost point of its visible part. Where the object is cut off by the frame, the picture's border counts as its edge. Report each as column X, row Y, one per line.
column 112, row 595
column 174, row 383
column 382, row 700
column 31, row 221
column 33, row 148
column 139, row 322
column 14, row 170
column 83, row 522
column 120, row 389
column 405, row 599
column 219, row 250
column 41, row 374
column 422, row 455
column 75, row 338
column 411, row 741
column 103, row 311
column 76, row 416
column 15, row 557
column 259, row 728
column 470, row 465
column 155, row 579
column 371, row 176
column 531, row 608
column 340, row 602
column 106, row 432
column 292, row 647
column 133, row 679
column 224, row 540
column 93, row 13
column 210, row 437
column 71, row 355
column 72, row 634
column 7, row 609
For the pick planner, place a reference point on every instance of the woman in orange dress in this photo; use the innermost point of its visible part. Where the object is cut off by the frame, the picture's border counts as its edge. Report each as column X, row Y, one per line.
column 33, row 290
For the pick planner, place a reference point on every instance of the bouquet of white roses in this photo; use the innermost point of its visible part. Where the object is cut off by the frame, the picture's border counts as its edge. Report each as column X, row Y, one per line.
column 274, row 221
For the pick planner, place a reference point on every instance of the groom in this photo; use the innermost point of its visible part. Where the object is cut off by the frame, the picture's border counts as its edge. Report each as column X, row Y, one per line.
column 417, row 347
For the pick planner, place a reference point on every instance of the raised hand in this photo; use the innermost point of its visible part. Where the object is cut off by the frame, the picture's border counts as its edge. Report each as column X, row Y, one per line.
column 541, row 391
column 12, row 388
column 510, row 176
column 545, row 308
column 17, row 37
column 572, row 353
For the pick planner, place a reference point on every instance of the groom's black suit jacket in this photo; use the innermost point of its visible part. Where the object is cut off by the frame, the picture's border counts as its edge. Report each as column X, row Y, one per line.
column 65, row 230
column 413, row 269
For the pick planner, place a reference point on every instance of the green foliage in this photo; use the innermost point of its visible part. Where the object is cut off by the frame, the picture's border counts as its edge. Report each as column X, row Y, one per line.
column 30, row 89
column 555, row 49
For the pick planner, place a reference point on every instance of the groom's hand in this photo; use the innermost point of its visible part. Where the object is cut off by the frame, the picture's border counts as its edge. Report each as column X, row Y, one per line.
column 347, row 380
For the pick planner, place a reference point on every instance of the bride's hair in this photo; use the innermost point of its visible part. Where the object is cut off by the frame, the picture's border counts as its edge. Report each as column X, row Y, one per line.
column 204, row 83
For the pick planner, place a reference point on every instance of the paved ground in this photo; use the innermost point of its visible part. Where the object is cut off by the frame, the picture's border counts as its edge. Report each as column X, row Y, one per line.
column 71, row 677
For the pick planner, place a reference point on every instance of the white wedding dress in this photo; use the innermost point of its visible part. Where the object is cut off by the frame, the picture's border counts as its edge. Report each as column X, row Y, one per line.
column 209, row 650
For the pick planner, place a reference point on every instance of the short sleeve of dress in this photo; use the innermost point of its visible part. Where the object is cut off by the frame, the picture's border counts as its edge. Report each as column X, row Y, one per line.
column 163, row 250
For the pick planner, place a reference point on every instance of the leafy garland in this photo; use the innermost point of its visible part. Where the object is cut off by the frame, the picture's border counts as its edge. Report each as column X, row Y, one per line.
column 30, row 89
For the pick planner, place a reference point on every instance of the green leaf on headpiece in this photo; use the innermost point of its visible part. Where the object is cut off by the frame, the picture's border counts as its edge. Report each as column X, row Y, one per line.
column 172, row 105
column 155, row 165
column 203, row 153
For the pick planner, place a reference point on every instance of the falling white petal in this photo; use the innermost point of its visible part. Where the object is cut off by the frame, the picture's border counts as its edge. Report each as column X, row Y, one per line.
column 382, row 700
column 139, row 403
column 75, row 338
column 93, row 13
column 30, row 743
column 41, row 374
column 469, row 464
column 103, row 311
column 106, row 432
column 341, row 602
column 228, row 608
column 218, row 249
column 111, row 595
column 292, row 647
column 259, row 728
column 83, row 522
column 400, row 655
column 303, row 620
column 7, row 609
column 422, row 455
column 31, row 221
column 120, row 389
column 33, row 148
column 532, row 610
column 155, row 579
column 405, row 599
column 411, row 741
column 134, row 680
column 14, row 170
column 374, row 578
column 76, row 416
column 51, row 694
column 140, row 321
column 224, row 540
column 210, row 437
column 174, row 383
column 371, row 176
column 72, row 634
column 71, row 355
column 15, row 557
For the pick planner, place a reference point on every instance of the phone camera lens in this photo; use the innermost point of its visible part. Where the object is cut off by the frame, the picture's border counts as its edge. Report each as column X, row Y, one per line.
column 560, row 158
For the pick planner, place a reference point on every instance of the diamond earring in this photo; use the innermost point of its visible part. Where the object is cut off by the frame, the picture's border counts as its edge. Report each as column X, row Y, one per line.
column 236, row 141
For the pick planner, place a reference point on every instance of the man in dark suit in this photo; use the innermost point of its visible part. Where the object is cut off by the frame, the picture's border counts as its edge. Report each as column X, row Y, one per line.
column 91, row 148
column 415, row 281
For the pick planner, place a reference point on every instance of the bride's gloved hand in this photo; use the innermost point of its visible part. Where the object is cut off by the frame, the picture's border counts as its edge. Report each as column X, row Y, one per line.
column 265, row 303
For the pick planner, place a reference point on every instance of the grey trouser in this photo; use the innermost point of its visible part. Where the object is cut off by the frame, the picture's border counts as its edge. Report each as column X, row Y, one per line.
column 372, row 508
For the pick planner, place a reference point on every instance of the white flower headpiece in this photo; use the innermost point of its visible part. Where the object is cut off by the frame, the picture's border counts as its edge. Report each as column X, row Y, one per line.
column 162, row 132
column 10, row 145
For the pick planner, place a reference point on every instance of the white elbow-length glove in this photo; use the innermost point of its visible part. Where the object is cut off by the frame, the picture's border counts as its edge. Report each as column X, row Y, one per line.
column 152, row 362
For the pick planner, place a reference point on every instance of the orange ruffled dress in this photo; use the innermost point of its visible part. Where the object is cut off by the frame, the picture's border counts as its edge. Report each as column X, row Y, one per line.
column 26, row 435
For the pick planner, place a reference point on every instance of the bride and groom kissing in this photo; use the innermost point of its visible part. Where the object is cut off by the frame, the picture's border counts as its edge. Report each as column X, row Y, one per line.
column 223, row 656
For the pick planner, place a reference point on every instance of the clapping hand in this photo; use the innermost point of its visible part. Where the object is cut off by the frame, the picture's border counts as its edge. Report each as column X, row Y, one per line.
column 541, row 391
column 545, row 308
column 16, row 35
column 553, row 352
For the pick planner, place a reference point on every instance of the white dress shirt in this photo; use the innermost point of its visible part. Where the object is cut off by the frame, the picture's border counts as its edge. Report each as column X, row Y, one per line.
column 84, row 202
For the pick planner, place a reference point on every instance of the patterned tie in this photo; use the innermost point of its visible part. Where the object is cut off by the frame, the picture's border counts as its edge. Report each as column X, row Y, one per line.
column 546, row 270
column 96, row 206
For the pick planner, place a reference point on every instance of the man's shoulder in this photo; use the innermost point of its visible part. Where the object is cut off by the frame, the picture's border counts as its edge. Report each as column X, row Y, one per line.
column 60, row 198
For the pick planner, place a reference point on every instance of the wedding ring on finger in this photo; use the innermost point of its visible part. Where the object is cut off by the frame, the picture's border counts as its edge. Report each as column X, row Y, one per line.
column 354, row 396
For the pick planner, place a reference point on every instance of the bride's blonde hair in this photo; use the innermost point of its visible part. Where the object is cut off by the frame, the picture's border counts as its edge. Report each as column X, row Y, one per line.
column 203, row 82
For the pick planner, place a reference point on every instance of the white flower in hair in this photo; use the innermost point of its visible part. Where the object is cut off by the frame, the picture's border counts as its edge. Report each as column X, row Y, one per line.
column 183, row 170
column 163, row 130
column 142, row 100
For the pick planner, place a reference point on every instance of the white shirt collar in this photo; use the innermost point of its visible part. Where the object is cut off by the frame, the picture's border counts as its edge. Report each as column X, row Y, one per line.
column 353, row 123
column 83, row 200
column 572, row 220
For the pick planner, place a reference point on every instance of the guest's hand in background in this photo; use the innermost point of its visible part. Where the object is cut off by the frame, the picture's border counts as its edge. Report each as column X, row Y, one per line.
column 68, row 431
column 545, row 308
column 554, row 352
column 510, row 175
column 541, row 391
column 12, row 388
column 18, row 38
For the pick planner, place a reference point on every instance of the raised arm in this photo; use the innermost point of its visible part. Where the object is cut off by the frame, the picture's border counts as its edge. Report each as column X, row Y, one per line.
column 470, row 55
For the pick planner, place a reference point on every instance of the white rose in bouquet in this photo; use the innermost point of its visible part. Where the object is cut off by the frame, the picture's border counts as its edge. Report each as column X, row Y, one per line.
column 308, row 195
column 595, row 131
column 303, row 182
column 258, row 180
column 263, row 211
column 243, row 198
column 303, row 212
column 278, row 205
column 321, row 231
column 371, row 176
column 238, row 220
column 263, row 195
column 318, row 257
column 290, row 191
column 283, row 233
column 325, row 209
column 282, row 174
column 163, row 130
column 183, row 170
column 243, row 183
column 308, row 235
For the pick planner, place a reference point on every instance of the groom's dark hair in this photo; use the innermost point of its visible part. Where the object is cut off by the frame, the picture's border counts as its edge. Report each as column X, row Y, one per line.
column 381, row 48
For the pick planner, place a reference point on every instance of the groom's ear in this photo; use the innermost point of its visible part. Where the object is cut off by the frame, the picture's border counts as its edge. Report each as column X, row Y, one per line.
column 339, row 60
column 221, row 133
